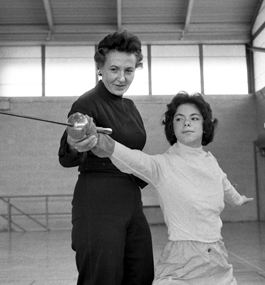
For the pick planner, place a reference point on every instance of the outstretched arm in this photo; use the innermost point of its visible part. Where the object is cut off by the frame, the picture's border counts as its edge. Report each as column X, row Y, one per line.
column 232, row 196
column 136, row 162
column 142, row 165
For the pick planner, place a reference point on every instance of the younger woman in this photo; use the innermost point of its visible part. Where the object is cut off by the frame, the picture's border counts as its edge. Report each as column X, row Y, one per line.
column 192, row 189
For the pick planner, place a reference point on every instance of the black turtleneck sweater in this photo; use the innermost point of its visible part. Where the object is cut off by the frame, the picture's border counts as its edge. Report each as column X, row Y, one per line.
column 110, row 111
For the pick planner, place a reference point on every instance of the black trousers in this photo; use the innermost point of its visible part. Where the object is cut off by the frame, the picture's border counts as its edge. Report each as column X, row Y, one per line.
column 110, row 233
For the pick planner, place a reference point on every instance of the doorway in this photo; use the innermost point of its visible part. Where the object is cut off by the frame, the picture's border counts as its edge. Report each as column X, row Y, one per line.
column 259, row 154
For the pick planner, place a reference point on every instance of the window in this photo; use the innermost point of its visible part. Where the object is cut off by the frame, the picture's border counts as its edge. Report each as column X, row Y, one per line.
column 174, row 69
column 69, row 70
column 225, row 69
column 20, row 71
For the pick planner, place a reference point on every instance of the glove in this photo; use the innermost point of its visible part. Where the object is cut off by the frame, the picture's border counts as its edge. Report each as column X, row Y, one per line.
column 83, row 127
column 83, row 135
column 104, row 147
column 90, row 128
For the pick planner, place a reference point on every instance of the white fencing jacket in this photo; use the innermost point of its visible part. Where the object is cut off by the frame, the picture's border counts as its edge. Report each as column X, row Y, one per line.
column 191, row 188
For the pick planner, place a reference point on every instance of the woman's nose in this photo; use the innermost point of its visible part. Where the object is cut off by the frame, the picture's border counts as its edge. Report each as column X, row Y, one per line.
column 121, row 76
column 187, row 122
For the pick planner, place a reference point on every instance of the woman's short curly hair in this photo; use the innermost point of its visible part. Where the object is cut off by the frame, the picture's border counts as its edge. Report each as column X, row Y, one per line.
column 209, row 124
column 121, row 41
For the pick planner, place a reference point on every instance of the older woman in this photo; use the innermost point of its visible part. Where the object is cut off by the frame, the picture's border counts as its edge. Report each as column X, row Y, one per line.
column 110, row 233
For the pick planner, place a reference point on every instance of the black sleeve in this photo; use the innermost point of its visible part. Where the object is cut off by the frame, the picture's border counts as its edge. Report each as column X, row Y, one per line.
column 66, row 158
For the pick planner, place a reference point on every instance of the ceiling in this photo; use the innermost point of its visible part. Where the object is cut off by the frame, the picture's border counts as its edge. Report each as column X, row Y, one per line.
column 51, row 22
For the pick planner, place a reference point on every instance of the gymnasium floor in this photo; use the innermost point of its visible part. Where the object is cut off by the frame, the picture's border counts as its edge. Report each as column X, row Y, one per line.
column 45, row 258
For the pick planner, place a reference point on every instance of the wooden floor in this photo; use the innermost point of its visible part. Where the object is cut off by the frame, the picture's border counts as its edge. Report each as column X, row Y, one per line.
column 46, row 258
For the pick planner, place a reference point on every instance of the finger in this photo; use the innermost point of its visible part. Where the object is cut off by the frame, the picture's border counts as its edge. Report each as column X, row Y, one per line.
column 71, row 141
column 89, row 118
column 86, row 144
column 93, row 141
column 247, row 200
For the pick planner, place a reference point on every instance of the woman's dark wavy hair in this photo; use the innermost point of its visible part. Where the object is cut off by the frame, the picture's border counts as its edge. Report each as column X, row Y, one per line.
column 209, row 124
column 121, row 41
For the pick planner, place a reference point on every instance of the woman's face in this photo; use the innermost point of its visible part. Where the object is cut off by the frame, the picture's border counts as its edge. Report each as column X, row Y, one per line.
column 188, row 125
column 118, row 71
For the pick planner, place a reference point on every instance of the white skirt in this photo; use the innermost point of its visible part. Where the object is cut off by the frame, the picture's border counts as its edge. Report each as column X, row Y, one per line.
column 194, row 263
